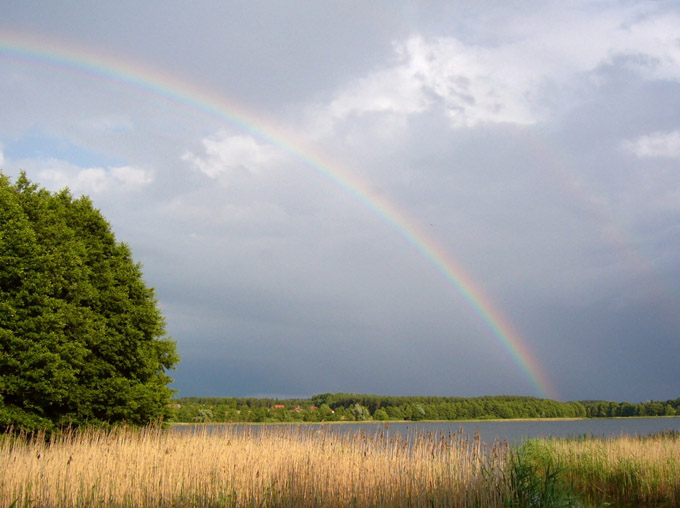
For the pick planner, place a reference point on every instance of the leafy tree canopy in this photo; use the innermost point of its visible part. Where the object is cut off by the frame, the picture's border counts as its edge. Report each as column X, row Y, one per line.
column 81, row 336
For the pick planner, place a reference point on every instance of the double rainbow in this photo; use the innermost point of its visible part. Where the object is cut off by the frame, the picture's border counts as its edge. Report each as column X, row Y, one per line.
column 25, row 48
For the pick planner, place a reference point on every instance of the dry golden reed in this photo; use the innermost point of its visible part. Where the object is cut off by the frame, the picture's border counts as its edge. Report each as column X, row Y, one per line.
column 252, row 466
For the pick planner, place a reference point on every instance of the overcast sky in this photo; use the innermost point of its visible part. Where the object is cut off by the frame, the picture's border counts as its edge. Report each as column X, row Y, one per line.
column 537, row 144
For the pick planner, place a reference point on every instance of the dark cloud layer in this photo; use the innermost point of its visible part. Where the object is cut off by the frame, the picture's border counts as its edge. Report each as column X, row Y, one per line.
column 537, row 145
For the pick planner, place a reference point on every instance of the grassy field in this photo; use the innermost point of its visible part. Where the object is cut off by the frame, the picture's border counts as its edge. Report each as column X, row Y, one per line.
column 624, row 471
column 293, row 466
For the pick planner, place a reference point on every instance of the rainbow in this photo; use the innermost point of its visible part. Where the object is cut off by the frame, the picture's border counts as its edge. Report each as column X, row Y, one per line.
column 63, row 55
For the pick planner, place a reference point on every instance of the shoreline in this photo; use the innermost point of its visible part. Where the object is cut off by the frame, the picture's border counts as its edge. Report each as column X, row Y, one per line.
column 388, row 422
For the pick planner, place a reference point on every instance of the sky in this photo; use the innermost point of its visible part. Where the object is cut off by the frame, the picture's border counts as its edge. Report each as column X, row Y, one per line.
column 392, row 197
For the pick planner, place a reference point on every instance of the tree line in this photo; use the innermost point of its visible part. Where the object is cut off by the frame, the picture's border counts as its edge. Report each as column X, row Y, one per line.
column 358, row 407
column 608, row 409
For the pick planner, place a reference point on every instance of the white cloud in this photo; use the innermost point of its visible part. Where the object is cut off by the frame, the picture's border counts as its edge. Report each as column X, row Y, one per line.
column 94, row 180
column 657, row 38
column 2, row 158
column 393, row 90
column 442, row 72
column 657, row 144
column 472, row 86
column 227, row 155
column 131, row 177
column 90, row 180
column 504, row 79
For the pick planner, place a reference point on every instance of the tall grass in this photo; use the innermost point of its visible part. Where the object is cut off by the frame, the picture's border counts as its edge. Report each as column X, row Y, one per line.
column 282, row 466
column 619, row 471
column 307, row 467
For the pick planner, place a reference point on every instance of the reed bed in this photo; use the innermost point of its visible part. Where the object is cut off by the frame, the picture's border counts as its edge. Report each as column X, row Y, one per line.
column 254, row 466
column 619, row 471
column 303, row 467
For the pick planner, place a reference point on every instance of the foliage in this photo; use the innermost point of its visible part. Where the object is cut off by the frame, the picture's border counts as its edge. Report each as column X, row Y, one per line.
column 81, row 336
column 608, row 409
column 536, row 485
column 381, row 414
column 353, row 407
column 360, row 412
column 342, row 406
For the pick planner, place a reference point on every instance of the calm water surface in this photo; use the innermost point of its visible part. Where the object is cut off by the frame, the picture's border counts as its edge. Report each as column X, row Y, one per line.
column 511, row 431
column 517, row 431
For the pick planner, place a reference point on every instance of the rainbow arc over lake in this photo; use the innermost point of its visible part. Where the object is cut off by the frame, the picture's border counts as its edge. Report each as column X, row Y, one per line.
column 51, row 52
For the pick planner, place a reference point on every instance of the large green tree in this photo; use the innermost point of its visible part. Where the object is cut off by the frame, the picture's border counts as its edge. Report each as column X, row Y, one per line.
column 81, row 337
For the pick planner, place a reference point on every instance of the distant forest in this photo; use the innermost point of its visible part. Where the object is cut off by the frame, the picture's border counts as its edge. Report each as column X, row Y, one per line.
column 329, row 407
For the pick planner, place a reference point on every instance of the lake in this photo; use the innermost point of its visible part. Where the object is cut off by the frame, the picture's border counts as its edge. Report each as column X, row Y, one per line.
column 518, row 430
column 512, row 431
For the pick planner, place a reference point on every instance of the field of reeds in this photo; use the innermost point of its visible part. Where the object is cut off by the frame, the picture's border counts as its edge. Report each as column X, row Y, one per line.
column 308, row 467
